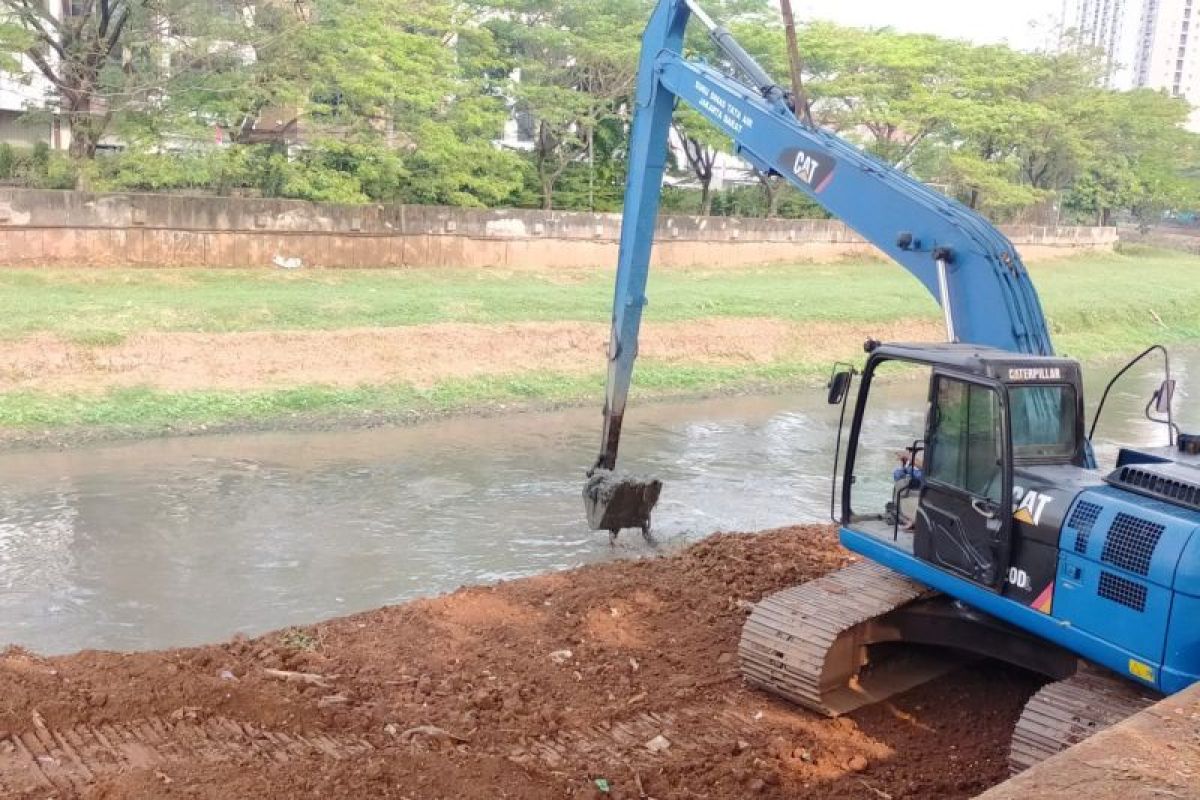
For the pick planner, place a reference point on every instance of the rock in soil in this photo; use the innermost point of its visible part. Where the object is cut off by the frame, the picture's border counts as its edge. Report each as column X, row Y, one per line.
column 455, row 697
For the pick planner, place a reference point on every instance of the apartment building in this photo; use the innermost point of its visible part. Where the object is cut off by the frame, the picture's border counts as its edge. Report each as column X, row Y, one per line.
column 1101, row 24
column 1168, row 50
column 1151, row 44
column 29, row 91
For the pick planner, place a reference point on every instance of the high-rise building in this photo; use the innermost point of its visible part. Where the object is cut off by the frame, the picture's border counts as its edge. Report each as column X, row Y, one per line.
column 1167, row 46
column 1153, row 44
column 1168, row 50
column 1099, row 24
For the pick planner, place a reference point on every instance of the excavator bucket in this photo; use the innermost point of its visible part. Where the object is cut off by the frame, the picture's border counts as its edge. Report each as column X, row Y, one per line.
column 615, row 501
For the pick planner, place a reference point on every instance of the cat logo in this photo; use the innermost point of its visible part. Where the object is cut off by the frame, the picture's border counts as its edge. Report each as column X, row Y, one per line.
column 1031, row 507
column 805, row 167
column 814, row 169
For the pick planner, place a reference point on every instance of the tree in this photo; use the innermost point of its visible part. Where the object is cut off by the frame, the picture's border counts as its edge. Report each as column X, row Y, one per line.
column 223, row 64
column 1139, row 160
column 75, row 53
column 402, row 101
column 597, row 182
column 574, row 65
column 702, row 144
column 393, row 101
column 772, row 188
column 416, row 77
column 893, row 89
column 988, row 116
column 116, row 60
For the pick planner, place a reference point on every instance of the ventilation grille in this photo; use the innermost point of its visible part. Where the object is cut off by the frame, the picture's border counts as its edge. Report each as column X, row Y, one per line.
column 1162, row 481
column 1131, row 542
column 1082, row 519
column 1120, row 590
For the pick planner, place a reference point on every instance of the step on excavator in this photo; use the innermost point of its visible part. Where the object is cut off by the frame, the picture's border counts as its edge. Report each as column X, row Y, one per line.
column 1000, row 537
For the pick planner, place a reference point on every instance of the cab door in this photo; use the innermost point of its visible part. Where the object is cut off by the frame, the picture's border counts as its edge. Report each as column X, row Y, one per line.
column 964, row 519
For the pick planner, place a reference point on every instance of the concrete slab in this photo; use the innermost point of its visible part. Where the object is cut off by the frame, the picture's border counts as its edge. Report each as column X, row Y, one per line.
column 1154, row 754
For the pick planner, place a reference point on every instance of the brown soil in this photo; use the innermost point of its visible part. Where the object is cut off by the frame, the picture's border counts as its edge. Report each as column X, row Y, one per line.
column 1149, row 756
column 422, row 355
column 533, row 689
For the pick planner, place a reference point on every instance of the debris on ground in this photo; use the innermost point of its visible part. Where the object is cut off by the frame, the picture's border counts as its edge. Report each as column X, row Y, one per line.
column 455, row 697
column 659, row 744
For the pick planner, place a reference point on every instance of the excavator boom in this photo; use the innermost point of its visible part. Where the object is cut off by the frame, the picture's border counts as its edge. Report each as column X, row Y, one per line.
column 969, row 267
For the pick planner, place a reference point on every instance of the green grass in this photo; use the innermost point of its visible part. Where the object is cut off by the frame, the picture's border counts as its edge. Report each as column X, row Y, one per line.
column 88, row 304
column 104, row 305
column 1098, row 306
column 148, row 410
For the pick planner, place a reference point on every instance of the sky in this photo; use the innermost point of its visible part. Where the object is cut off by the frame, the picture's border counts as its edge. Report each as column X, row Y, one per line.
column 993, row 21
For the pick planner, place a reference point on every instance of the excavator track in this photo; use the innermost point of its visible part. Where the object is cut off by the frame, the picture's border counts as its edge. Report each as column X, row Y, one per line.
column 1066, row 712
column 809, row 643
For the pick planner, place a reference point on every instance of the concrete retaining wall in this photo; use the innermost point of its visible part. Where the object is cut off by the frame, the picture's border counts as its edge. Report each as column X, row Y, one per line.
column 1185, row 239
column 78, row 229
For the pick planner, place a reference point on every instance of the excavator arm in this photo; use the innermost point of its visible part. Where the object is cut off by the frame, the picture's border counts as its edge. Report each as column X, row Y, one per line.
column 968, row 266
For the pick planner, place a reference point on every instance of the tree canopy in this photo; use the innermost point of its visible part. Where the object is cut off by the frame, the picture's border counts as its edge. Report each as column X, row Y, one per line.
column 407, row 101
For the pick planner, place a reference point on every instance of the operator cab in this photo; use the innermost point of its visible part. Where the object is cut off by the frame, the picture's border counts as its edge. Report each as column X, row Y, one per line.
column 1007, row 512
column 999, row 437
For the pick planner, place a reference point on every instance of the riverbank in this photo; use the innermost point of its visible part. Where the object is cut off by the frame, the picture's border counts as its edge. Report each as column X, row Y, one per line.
column 100, row 354
column 551, row 686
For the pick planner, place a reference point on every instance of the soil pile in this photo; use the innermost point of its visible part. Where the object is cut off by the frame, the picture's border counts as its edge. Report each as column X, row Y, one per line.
column 617, row 680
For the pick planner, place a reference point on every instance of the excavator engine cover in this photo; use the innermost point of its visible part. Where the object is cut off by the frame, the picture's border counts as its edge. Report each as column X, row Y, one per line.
column 615, row 501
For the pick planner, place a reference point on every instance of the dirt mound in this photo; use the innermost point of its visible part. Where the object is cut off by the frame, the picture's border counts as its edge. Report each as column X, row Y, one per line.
column 615, row 680
column 422, row 355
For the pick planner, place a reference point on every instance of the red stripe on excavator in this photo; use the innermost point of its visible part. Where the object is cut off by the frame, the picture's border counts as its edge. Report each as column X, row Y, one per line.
column 1045, row 600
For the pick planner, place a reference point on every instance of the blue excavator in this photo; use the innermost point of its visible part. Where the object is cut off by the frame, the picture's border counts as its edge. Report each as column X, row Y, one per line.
column 1002, row 539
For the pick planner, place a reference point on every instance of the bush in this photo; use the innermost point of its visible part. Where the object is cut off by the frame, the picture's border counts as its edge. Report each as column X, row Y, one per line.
column 334, row 172
column 8, row 159
column 37, row 167
column 321, row 184
column 153, row 172
column 742, row 201
column 41, row 156
column 60, row 173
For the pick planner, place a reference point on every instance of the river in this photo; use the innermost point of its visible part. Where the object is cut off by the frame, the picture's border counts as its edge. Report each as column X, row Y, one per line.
column 171, row 542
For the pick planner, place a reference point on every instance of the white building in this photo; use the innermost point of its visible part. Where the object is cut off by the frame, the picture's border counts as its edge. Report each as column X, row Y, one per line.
column 1102, row 24
column 30, row 91
column 1168, row 50
column 1150, row 44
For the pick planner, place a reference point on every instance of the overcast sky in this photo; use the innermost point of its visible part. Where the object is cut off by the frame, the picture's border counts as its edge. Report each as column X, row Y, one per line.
column 993, row 21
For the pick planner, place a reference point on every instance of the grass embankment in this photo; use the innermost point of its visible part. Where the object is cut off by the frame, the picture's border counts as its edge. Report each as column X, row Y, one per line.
column 85, row 324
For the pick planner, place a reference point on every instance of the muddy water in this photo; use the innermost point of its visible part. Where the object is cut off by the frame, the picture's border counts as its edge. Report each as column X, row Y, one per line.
column 173, row 542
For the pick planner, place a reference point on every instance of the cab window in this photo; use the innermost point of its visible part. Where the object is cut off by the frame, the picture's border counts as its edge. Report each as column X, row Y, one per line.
column 1043, row 421
column 965, row 449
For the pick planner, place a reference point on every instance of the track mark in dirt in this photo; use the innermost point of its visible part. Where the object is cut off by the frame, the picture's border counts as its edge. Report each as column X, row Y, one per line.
column 633, row 741
column 69, row 760
column 622, row 741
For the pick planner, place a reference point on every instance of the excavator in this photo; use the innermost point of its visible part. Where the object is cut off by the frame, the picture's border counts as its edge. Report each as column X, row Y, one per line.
column 1003, row 540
